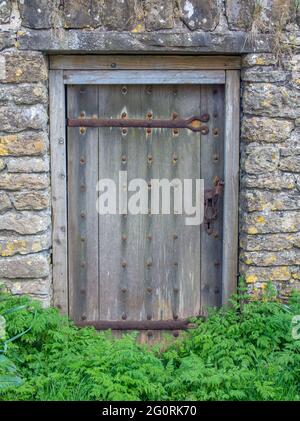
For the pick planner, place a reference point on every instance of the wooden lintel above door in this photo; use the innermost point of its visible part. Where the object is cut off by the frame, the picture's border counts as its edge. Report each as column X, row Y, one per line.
column 144, row 62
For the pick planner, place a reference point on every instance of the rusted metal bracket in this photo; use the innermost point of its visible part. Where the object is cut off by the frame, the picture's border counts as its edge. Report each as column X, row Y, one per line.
column 180, row 324
column 211, row 201
column 193, row 123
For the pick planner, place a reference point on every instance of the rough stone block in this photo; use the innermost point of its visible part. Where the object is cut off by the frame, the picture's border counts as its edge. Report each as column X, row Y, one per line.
column 271, row 222
column 266, row 258
column 29, row 266
column 265, row 129
column 5, row 203
column 294, row 140
column 270, row 181
column 33, row 200
column 26, row 143
column 290, row 163
column 24, row 181
column 277, row 14
column 25, row 222
column 262, row 274
column 82, row 13
column 45, row 300
column 260, row 200
column 240, row 14
column 158, row 14
column 2, row 164
column 36, row 13
column 29, row 287
column 260, row 59
column 200, row 14
column 296, row 82
column 263, row 74
column 271, row 100
column 269, row 242
column 25, row 66
column 122, row 15
column 258, row 160
column 27, row 165
column 293, row 63
column 18, row 118
column 291, row 152
column 5, row 11
column 7, row 39
column 11, row 245
column 295, row 272
column 24, row 93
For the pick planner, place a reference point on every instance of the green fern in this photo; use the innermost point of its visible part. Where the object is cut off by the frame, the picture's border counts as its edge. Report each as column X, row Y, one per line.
column 242, row 352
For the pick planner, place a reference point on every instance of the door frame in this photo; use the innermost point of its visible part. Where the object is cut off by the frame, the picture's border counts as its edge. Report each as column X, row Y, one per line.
column 153, row 69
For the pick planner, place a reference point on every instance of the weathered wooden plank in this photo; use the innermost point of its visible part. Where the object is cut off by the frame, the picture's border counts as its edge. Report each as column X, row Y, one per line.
column 187, row 147
column 231, row 171
column 144, row 62
column 163, row 226
column 113, row 278
column 136, row 106
column 83, row 220
column 59, row 190
column 135, row 77
column 212, row 101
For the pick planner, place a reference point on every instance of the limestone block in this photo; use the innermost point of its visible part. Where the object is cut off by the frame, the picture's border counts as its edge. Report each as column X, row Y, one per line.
column 25, row 222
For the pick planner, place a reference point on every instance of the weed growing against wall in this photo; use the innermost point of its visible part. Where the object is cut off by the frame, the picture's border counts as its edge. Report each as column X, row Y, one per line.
column 245, row 352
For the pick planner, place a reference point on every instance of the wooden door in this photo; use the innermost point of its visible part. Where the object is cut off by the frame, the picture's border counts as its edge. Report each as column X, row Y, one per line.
column 141, row 267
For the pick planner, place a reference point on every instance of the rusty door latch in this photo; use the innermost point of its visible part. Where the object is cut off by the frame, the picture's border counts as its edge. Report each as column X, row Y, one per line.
column 211, row 205
column 193, row 123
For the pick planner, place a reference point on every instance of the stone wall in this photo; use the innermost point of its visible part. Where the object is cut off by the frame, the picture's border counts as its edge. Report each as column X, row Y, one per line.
column 265, row 33
column 25, row 223
column 270, row 172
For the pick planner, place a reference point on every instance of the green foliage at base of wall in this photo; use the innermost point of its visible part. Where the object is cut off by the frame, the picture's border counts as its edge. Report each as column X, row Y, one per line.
column 245, row 352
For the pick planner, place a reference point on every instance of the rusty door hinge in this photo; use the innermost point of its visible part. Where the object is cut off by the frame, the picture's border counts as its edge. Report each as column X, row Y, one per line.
column 211, row 202
column 193, row 123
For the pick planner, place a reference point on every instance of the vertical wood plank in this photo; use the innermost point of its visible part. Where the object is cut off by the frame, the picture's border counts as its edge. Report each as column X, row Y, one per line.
column 231, row 171
column 112, row 251
column 162, row 225
column 212, row 145
column 187, row 245
column 139, row 303
column 59, row 190
column 82, row 215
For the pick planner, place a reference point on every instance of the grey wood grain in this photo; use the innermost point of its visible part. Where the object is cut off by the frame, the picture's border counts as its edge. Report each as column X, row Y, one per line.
column 59, row 190
column 82, row 215
column 231, row 192
column 188, row 145
column 135, row 77
column 162, row 225
column 112, row 276
column 212, row 101
column 127, row 62
column 138, row 271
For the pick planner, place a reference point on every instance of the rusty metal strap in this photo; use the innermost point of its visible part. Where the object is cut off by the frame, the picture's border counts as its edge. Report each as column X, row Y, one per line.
column 192, row 123
column 181, row 324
